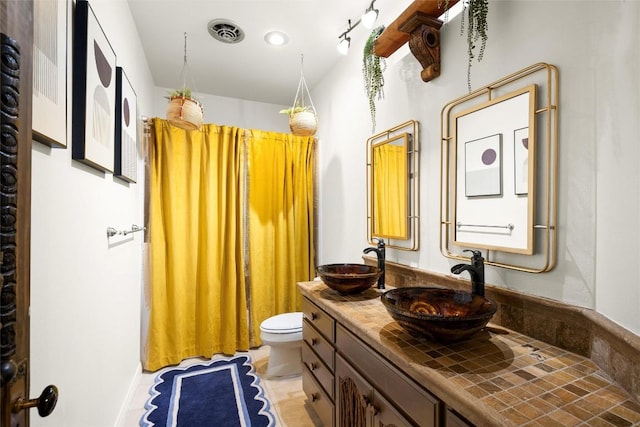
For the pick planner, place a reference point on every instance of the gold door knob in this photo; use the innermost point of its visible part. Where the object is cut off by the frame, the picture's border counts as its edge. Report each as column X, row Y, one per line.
column 45, row 403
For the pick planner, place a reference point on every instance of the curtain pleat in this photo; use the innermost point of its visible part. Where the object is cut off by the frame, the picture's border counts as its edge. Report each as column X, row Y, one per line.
column 281, row 222
column 198, row 296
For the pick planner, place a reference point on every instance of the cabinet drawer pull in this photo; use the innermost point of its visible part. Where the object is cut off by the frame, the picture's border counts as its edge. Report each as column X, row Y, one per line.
column 314, row 315
column 312, row 366
column 314, row 341
column 315, row 397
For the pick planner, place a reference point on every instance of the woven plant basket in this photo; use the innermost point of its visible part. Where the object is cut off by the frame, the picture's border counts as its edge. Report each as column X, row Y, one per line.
column 303, row 123
column 303, row 118
column 185, row 113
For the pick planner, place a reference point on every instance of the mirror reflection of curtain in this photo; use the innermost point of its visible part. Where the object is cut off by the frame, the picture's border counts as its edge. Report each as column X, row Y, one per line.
column 200, row 251
column 390, row 191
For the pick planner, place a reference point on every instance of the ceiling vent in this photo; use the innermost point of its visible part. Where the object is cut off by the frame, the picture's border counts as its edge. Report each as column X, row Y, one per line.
column 225, row 31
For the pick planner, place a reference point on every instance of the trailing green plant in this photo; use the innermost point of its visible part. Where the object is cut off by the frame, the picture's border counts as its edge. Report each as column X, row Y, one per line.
column 373, row 67
column 477, row 27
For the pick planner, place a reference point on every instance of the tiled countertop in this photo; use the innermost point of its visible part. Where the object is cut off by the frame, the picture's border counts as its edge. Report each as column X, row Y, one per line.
column 498, row 377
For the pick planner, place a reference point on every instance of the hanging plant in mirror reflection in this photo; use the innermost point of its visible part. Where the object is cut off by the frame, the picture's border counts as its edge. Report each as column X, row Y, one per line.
column 373, row 67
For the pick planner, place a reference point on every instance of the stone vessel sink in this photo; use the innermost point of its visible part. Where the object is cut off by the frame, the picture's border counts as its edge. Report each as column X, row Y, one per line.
column 348, row 278
column 443, row 315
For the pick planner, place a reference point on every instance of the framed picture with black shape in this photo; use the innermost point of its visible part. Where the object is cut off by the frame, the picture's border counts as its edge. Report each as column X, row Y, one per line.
column 49, row 106
column 94, row 92
column 125, row 162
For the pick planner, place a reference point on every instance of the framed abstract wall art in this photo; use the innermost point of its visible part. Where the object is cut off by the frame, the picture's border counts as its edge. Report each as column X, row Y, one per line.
column 49, row 106
column 94, row 92
column 126, row 133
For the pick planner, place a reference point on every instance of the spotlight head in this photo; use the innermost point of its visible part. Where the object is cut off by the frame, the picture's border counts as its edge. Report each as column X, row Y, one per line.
column 343, row 45
column 369, row 17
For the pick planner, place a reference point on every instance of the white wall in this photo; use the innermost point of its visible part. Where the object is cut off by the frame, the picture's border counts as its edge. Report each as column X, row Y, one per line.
column 596, row 46
column 86, row 292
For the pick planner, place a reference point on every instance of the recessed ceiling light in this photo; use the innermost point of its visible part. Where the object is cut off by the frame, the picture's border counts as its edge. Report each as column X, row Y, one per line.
column 276, row 38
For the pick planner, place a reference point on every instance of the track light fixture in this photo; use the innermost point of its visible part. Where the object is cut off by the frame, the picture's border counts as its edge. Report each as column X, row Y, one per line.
column 367, row 20
column 369, row 16
column 345, row 40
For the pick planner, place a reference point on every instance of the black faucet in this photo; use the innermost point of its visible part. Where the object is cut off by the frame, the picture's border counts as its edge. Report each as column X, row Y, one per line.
column 476, row 271
column 380, row 252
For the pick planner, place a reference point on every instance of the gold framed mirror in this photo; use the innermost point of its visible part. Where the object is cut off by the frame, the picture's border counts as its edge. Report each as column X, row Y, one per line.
column 504, row 203
column 393, row 187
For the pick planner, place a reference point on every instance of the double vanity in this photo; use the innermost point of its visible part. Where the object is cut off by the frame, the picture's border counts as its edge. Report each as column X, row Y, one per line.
column 362, row 368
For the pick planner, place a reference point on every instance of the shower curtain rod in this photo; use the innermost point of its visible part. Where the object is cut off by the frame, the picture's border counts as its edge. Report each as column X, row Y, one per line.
column 147, row 122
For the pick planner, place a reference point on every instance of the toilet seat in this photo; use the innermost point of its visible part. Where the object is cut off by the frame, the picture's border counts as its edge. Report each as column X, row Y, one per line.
column 286, row 323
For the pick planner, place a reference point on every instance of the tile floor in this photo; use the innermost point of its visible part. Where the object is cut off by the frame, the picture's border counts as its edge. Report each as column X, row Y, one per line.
column 288, row 401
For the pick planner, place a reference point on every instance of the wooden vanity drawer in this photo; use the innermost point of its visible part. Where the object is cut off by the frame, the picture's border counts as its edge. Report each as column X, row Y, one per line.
column 418, row 404
column 319, row 370
column 317, row 398
column 315, row 341
column 319, row 319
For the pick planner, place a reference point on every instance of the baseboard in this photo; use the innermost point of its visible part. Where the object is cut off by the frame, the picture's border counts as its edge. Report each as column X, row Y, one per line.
column 131, row 393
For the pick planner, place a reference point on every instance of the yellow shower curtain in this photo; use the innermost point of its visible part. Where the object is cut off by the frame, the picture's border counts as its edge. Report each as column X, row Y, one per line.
column 225, row 257
column 198, row 297
column 281, row 223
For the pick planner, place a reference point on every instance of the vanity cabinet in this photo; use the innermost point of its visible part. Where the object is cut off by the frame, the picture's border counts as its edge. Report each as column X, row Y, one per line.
column 318, row 360
column 377, row 373
column 349, row 385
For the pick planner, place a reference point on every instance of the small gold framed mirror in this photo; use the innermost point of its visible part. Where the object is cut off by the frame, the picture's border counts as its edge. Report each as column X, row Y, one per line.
column 393, row 186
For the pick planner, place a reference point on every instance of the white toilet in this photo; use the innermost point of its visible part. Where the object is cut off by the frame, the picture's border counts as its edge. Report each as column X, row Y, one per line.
column 283, row 333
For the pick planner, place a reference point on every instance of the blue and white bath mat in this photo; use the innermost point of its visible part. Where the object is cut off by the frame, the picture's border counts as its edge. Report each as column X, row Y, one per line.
column 221, row 392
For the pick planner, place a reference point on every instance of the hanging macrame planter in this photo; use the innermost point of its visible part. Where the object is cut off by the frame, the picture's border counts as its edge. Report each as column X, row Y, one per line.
column 303, row 119
column 183, row 110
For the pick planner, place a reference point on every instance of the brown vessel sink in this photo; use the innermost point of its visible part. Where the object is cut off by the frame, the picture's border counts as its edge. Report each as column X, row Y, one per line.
column 348, row 278
column 443, row 315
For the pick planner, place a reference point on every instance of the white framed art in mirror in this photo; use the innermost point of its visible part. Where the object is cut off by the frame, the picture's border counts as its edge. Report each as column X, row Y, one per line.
column 490, row 211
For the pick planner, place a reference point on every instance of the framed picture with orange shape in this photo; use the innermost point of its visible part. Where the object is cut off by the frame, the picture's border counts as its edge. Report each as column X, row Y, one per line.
column 94, row 92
